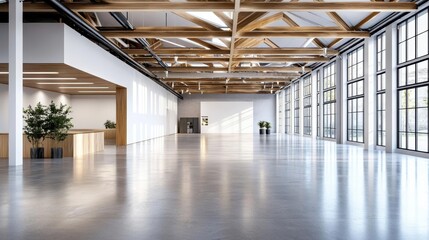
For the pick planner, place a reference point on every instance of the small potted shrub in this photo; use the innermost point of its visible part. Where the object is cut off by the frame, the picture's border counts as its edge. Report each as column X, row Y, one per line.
column 267, row 126
column 109, row 124
column 35, row 129
column 58, row 123
column 261, row 127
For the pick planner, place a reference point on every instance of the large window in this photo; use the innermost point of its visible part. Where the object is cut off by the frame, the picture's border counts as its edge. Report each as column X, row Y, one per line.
column 287, row 110
column 296, row 104
column 307, row 105
column 281, row 106
column 355, row 96
column 329, row 100
column 381, row 89
column 318, row 103
column 413, row 85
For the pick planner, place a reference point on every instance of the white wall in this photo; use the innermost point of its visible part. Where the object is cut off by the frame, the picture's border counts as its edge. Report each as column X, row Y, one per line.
column 90, row 112
column 264, row 106
column 151, row 109
column 31, row 97
column 227, row 117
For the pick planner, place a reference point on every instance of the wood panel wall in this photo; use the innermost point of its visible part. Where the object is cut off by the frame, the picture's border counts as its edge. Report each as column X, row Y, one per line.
column 75, row 145
column 121, row 116
column 4, row 145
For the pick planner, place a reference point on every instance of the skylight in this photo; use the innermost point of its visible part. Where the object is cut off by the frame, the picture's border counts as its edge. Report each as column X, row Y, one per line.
column 209, row 17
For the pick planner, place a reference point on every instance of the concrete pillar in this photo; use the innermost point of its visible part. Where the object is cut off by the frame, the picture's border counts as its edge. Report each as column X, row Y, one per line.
column 15, row 83
column 391, row 93
column 369, row 92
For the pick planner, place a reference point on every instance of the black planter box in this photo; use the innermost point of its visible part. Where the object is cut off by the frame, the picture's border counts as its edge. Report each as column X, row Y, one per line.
column 268, row 131
column 261, row 131
column 57, row 152
column 36, row 153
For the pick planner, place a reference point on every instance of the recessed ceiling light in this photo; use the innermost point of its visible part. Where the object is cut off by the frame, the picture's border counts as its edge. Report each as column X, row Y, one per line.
column 34, row 73
column 97, row 91
column 49, row 79
column 64, row 83
column 83, row 87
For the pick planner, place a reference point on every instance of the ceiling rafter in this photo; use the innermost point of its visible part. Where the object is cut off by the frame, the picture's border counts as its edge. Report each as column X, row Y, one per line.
column 225, row 6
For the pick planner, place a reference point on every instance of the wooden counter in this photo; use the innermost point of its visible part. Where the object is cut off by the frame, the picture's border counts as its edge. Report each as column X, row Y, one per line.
column 77, row 143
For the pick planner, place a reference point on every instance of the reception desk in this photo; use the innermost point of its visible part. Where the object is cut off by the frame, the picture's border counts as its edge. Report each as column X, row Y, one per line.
column 77, row 143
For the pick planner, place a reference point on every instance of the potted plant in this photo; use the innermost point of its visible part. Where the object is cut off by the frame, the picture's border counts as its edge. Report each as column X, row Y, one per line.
column 58, row 124
column 267, row 126
column 109, row 124
column 35, row 129
column 261, row 127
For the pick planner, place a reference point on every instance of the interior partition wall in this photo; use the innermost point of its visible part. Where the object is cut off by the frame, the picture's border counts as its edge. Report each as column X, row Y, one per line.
column 307, row 105
column 329, row 100
column 413, row 83
column 355, row 95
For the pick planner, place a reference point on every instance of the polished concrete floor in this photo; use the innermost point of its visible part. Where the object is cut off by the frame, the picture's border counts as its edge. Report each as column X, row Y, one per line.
column 219, row 187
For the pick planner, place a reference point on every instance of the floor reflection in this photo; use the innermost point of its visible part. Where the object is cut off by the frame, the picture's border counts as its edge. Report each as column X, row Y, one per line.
column 231, row 186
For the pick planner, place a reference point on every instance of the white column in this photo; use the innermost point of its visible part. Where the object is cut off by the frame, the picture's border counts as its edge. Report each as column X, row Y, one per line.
column 314, row 78
column 391, row 96
column 292, row 108
column 369, row 92
column 301, row 107
column 341, row 99
column 15, row 83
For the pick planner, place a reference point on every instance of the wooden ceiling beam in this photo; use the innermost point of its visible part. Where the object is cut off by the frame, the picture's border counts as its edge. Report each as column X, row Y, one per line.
column 222, row 69
column 254, row 34
column 235, row 59
column 225, row 6
column 224, row 18
column 233, row 33
column 230, row 80
column 252, row 51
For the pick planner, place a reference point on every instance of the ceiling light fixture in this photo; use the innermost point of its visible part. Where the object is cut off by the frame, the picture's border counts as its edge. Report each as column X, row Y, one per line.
column 34, row 73
column 97, row 91
column 83, row 87
column 65, row 83
column 50, row 79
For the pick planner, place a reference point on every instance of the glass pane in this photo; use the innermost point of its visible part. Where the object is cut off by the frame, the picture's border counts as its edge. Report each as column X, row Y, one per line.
column 422, row 42
column 411, row 137
column 360, row 87
column 403, row 99
column 402, row 119
column 411, row 98
column 402, row 52
column 422, row 71
column 411, row 48
column 360, row 105
column 402, row 140
column 411, row 120
column 422, row 142
column 402, row 32
column 411, row 74
column 402, row 76
column 360, row 136
column 411, row 28
column 422, row 96
column 422, row 116
column 360, row 121
column 422, row 22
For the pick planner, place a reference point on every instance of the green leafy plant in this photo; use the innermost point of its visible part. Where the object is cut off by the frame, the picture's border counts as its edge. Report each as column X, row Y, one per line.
column 109, row 124
column 261, row 124
column 267, row 125
column 35, row 128
column 58, row 121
